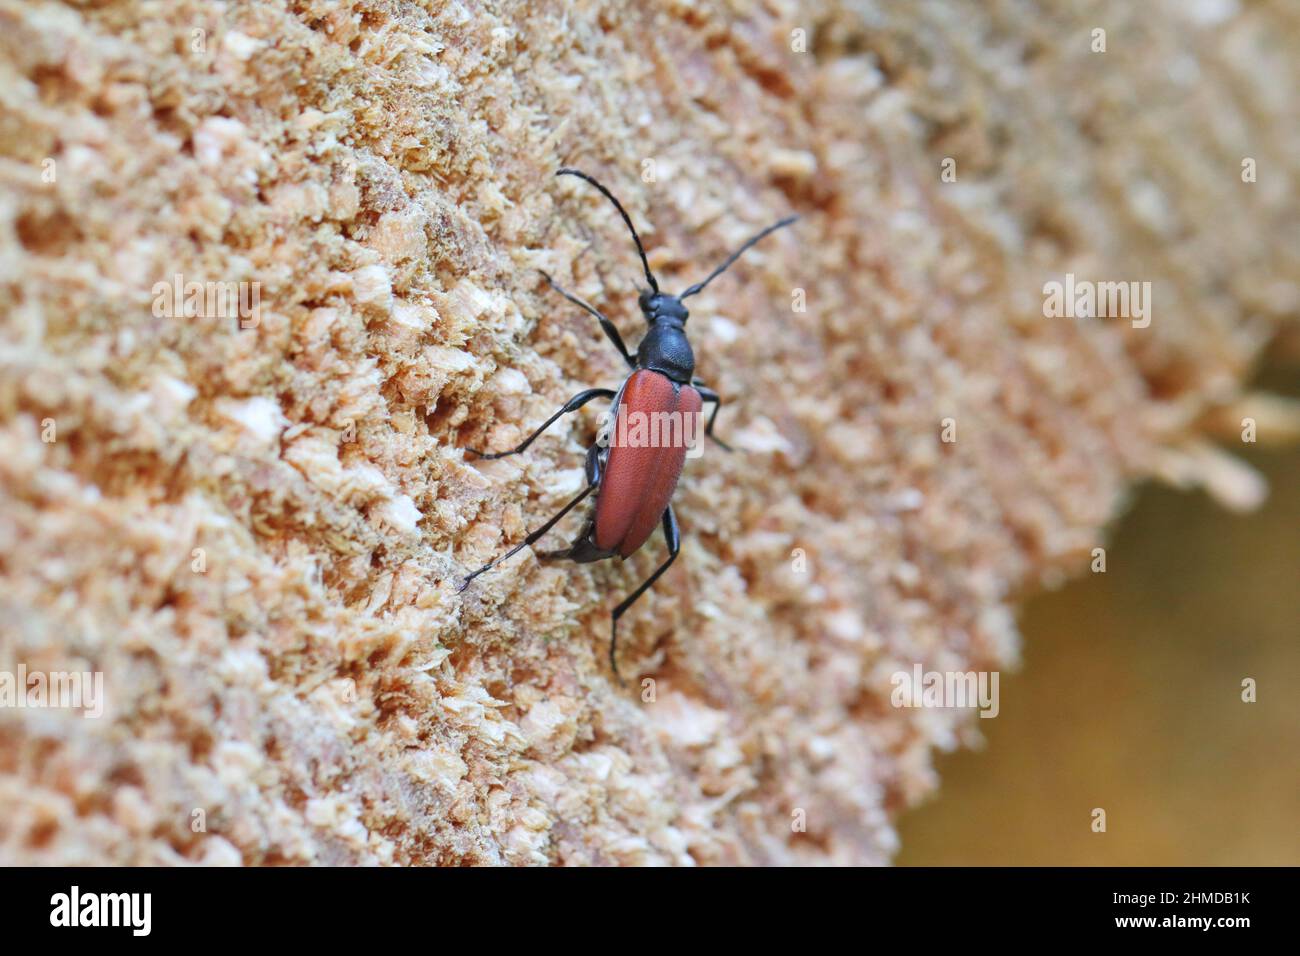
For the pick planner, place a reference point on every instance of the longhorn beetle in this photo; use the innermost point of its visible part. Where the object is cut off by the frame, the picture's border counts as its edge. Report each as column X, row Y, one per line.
column 634, row 481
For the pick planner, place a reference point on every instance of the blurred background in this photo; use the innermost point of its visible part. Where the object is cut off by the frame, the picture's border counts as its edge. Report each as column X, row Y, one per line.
column 1129, row 698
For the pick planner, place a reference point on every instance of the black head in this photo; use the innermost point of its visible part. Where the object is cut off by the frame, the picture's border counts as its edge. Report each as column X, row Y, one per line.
column 661, row 307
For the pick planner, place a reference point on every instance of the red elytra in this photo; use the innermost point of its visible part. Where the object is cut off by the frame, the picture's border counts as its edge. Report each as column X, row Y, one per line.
column 640, row 476
column 635, row 480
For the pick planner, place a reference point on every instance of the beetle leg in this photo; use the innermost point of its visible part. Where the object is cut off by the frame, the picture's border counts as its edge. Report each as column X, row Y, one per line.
column 572, row 405
column 610, row 330
column 584, row 550
column 709, row 395
column 559, row 554
column 674, row 539
column 532, row 537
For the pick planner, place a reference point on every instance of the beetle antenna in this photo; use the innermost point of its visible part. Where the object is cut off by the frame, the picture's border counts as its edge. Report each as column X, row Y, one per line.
column 699, row 286
column 626, row 218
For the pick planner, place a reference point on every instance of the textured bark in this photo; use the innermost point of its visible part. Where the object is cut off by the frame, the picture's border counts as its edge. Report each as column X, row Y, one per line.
column 318, row 689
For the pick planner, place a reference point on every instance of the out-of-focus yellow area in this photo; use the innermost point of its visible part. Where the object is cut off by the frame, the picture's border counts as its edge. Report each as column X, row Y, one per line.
column 1130, row 699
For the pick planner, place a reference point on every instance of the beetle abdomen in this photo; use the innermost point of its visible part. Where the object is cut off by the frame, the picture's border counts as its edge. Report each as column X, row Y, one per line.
column 656, row 419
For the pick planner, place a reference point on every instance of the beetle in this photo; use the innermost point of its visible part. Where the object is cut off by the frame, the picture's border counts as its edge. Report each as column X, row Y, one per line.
column 634, row 481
